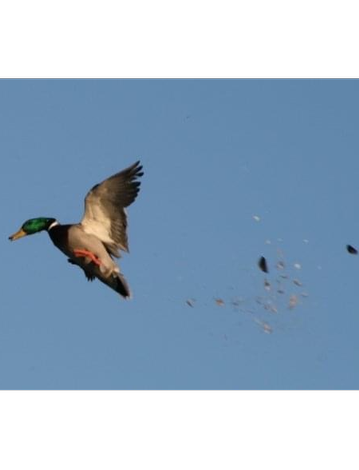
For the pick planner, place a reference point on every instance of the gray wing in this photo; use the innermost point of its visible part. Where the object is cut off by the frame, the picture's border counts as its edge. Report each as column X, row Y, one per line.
column 105, row 215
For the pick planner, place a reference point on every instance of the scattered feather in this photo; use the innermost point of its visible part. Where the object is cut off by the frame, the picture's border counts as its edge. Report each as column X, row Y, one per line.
column 262, row 263
column 237, row 302
column 280, row 265
column 270, row 307
column 267, row 285
column 264, row 325
column 293, row 301
column 352, row 250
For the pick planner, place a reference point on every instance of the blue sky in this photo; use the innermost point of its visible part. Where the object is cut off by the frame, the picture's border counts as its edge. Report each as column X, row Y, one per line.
column 233, row 170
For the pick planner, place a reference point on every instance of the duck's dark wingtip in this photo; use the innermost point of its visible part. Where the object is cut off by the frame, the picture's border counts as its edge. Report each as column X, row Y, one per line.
column 138, row 169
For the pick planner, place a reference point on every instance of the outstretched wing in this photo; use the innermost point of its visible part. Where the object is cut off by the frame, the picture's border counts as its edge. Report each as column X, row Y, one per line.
column 105, row 216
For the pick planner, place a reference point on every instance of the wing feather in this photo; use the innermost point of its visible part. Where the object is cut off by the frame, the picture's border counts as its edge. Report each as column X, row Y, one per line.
column 105, row 215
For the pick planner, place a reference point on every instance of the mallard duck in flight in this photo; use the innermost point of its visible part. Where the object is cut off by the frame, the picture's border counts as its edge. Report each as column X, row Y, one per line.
column 102, row 233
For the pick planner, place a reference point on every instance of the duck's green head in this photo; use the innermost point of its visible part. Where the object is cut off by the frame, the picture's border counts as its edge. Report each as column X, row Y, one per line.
column 32, row 226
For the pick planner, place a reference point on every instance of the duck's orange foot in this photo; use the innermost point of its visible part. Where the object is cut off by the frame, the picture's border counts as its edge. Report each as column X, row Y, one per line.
column 85, row 254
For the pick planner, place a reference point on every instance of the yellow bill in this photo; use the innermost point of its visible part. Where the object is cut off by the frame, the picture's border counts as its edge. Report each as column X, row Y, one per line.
column 21, row 233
